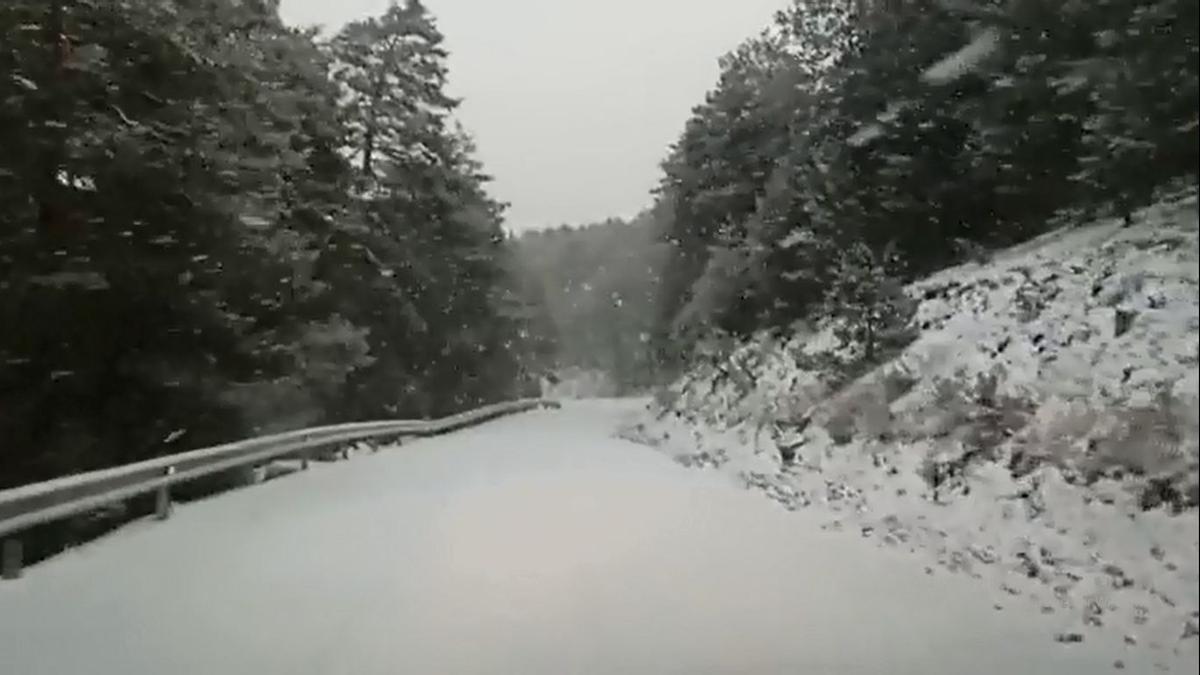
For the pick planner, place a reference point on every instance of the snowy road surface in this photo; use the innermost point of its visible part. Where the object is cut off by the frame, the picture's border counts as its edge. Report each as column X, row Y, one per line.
column 531, row 545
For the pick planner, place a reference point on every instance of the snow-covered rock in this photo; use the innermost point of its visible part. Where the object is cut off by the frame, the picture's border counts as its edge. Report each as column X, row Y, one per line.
column 1041, row 433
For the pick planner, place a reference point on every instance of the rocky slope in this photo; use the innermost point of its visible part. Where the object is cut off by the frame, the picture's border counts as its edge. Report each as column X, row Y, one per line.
column 1040, row 433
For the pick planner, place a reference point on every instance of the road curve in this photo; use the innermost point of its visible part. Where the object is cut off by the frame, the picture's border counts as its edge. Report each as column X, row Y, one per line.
column 531, row 545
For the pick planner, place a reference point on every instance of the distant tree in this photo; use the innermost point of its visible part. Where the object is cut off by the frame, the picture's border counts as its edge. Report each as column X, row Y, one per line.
column 599, row 285
column 867, row 302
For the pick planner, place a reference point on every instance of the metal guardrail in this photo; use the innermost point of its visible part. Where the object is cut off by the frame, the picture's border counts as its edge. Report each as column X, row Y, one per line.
column 27, row 506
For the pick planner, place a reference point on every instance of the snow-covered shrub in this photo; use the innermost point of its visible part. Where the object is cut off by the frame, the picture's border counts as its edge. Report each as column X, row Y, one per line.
column 1092, row 441
column 1058, row 431
column 937, row 407
column 1144, row 440
column 862, row 409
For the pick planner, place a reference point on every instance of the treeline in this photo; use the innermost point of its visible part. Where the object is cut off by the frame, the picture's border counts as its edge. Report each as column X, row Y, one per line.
column 855, row 144
column 212, row 224
column 598, row 286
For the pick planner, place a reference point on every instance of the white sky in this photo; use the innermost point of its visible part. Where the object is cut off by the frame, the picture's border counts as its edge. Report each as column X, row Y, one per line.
column 574, row 102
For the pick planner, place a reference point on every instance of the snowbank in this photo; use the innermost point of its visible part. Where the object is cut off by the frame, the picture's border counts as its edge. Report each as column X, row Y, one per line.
column 1040, row 434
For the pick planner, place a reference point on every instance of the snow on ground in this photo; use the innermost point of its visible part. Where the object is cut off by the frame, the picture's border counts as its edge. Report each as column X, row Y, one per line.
column 575, row 383
column 536, row 544
column 1040, row 435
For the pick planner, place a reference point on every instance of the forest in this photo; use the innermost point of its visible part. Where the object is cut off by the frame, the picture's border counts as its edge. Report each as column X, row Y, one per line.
column 214, row 225
column 856, row 145
column 596, row 288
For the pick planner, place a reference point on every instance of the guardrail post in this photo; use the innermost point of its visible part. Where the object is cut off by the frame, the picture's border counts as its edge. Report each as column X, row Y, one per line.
column 304, row 461
column 12, row 554
column 162, row 499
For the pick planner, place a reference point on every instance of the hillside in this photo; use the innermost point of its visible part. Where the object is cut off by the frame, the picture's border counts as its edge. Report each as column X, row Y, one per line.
column 1040, row 432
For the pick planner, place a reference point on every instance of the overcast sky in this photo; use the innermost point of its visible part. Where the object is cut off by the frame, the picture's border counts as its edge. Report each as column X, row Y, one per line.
column 574, row 102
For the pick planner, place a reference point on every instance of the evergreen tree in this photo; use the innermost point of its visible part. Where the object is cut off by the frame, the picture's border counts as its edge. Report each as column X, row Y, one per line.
column 866, row 299
column 930, row 126
column 433, row 227
column 196, row 247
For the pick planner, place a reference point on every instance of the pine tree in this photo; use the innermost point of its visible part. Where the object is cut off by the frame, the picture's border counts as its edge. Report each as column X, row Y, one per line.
column 431, row 223
column 866, row 300
column 190, row 252
column 934, row 126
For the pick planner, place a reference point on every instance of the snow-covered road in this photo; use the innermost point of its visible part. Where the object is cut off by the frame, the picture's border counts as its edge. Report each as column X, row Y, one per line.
column 534, row 545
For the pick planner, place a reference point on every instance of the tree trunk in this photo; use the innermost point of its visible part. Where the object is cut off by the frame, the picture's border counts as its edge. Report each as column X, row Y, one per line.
column 869, row 346
column 51, row 211
column 368, row 152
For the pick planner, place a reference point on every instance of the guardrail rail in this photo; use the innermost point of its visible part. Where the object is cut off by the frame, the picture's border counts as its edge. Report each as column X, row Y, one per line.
column 39, row 503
